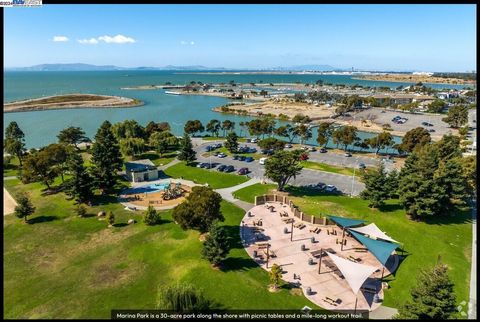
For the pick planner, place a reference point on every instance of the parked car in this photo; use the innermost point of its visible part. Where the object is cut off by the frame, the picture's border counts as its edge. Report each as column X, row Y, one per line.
column 303, row 157
column 396, row 118
column 252, row 150
column 427, row 124
column 235, row 157
column 362, row 166
column 241, row 158
column 229, row 168
column 209, row 166
column 221, row 155
column 218, row 145
column 208, row 148
column 330, row 188
column 222, row 167
column 431, row 130
column 243, row 171
column 202, row 165
column 347, row 154
column 323, row 150
column 262, row 160
column 288, row 146
column 248, row 159
column 254, row 140
column 312, row 149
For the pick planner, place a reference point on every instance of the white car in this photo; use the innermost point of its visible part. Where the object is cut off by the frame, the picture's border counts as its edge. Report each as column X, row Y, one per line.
column 254, row 140
column 330, row 188
column 262, row 160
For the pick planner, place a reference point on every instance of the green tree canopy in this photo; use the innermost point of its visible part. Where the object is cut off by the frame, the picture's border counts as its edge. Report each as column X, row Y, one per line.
column 457, row 116
column 271, row 144
column 14, row 142
column 193, row 126
column 183, row 298
column 413, row 138
column 282, row 166
column 80, row 185
column 24, row 207
column 186, row 150
column 213, row 127
column 151, row 216
column 231, row 143
column 72, row 136
column 216, row 245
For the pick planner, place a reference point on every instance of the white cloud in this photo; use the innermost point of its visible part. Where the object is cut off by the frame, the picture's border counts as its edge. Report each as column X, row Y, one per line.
column 184, row 42
column 60, row 38
column 118, row 39
column 91, row 41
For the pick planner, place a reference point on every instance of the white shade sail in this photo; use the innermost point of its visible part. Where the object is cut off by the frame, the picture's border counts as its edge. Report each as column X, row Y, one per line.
column 373, row 231
column 355, row 274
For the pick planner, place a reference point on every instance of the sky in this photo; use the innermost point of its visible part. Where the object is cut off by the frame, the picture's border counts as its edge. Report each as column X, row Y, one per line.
column 369, row 37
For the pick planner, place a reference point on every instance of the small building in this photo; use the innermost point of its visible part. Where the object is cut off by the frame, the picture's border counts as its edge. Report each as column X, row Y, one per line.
column 141, row 170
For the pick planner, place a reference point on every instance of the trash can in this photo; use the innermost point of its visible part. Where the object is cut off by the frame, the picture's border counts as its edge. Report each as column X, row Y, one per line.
column 310, row 261
column 285, row 230
column 254, row 253
column 313, row 240
column 302, row 247
column 309, row 290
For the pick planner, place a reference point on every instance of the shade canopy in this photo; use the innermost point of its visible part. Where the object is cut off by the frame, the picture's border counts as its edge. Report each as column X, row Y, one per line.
column 346, row 222
column 380, row 249
column 355, row 274
column 373, row 231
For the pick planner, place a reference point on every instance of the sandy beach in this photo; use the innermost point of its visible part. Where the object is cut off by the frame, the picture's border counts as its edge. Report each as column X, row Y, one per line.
column 70, row 101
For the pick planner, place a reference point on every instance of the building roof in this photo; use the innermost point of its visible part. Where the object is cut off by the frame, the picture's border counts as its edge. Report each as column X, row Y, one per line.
column 355, row 274
column 373, row 231
column 380, row 249
column 346, row 222
column 404, row 96
column 139, row 165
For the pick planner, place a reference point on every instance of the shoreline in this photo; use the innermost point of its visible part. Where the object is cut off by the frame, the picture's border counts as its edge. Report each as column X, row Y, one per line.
column 408, row 78
column 70, row 101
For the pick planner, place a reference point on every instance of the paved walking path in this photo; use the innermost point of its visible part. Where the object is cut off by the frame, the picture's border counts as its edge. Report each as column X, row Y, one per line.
column 8, row 203
column 472, row 304
column 227, row 193
column 383, row 313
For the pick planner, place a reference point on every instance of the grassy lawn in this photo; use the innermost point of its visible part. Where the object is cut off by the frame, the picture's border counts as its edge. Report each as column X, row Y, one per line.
column 451, row 238
column 328, row 168
column 62, row 266
column 248, row 193
column 156, row 159
column 215, row 179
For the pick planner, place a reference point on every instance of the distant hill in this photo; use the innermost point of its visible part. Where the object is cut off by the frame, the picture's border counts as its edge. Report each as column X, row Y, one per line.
column 319, row 68
column 89, row 67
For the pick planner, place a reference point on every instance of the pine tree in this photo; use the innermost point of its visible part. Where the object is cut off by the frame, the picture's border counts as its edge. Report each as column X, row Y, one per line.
column 232, row 142
column 376, row 187
column 432, row 298
column 450, row 176
column 14, row 142
column 151, row 216
column 216, row 245
column 24, row 207
column 275, row 275
column 80, row 185
column 186, row 150
column 106, row 157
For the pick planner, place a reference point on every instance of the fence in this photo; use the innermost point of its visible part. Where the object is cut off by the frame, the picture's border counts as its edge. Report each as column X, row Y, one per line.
column 260, row 200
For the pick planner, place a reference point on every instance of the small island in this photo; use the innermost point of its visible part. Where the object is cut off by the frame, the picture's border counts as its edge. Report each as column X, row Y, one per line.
column 70, row 101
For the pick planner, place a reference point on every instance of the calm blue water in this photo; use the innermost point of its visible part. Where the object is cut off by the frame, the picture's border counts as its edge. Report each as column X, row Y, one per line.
column 41, row 127
column 148, row 188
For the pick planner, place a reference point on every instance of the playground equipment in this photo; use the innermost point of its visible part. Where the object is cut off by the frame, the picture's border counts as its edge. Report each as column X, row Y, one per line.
column 173, row 191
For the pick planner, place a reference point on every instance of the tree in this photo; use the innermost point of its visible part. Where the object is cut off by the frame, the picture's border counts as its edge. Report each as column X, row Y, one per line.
column 376, row 187
column 469, row 167
column 186, row 150
column 192, row 127
column 24, row 207
column 450, row 177
column 106, row 157
column 284, row 131
column 110, row 218
column 183, row 298
column 216, row 245
column 436, row 106
column 58, row 154
column 380, row 141
column 151, row 216
column 38, row 166
column 345, row 135
column 271, row 144
column 300, row 118
column 72, row 136
column 303, row 131
column 80, row 185
column 80, row 210
column 413, row 138
column 128, row 129
column 227, row 126
column 433, row 297
column 163, row 141
column 392, row 183
column 325, row 131
column 282, row 166
column 263, row 93
column 153, row 127
column 457, row 116
column 449, row 147
column 14, row 142
column 232, row 142
column 275, row 275
column 132, row 146
column 199, row 210
column 213, row 127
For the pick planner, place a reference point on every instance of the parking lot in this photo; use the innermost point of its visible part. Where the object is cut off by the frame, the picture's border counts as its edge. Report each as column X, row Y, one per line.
column 307, row 177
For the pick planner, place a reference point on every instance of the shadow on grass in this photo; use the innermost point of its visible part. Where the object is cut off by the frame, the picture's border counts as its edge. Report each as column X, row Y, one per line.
column 121, row 224
column 233, row 232
column 459, row 216
column 40, row 219
column 307, row 192
column 391, row 207
column 238, row 263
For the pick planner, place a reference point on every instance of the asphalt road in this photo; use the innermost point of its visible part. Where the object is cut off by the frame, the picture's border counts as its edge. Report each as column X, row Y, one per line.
column 343, row 183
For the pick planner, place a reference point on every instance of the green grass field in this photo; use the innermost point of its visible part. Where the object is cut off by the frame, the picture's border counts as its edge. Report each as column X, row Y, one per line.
column 62, row 266
column 451, row 238
column 156, row 159
column 215, row 179
column 328, row 168
column 11, row 169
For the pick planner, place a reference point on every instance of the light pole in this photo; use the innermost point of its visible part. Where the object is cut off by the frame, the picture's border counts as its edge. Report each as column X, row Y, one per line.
column 353, row 179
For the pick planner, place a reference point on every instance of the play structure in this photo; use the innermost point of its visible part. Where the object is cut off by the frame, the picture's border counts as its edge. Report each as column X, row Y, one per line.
column 173, row 191
column 162, row 195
